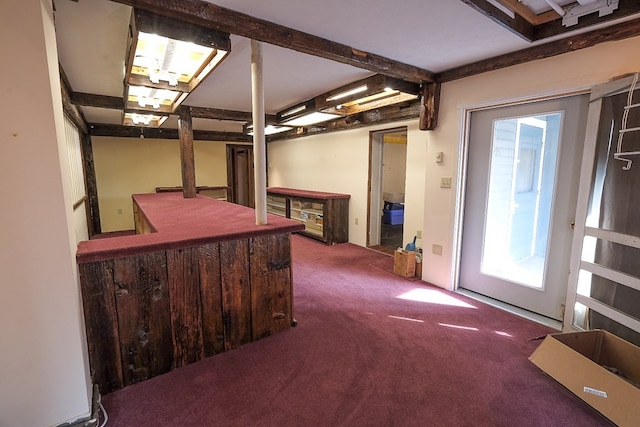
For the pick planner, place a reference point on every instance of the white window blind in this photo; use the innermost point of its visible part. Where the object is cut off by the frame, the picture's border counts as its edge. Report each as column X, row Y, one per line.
column 74, row 155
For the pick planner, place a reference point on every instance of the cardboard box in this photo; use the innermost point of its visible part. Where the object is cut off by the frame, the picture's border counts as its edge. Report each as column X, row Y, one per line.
column 404, row 263
column 598, row 367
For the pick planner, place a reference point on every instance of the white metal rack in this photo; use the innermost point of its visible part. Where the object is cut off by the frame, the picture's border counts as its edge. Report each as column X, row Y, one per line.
column 619, row 154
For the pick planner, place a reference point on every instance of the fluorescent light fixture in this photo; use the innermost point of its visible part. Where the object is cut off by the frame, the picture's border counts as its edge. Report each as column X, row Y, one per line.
column 347, row 93
column 311, row 119
column 167, row 59
column 373, row 92
column 154, row 100
column 269, row 129
column 140, row 119
column 293, row 111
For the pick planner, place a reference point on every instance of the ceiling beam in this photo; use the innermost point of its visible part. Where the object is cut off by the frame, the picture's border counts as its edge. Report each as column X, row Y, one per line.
column 212, row 16
column 231, row 115
column 100, row 101
column 122, row 131
column 517, row 25
column 581, row 41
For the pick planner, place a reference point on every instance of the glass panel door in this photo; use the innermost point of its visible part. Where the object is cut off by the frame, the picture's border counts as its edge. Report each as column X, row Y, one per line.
column 521, row 183
column 520, row 199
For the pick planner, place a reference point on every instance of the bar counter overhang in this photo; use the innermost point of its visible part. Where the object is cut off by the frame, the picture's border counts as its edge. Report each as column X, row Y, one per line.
column 199, row 278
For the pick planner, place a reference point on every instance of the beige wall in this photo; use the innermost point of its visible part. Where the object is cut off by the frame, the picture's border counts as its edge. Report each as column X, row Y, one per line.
column 339, row 162
column 44, row 378
column 561, row 74
column 126, row 166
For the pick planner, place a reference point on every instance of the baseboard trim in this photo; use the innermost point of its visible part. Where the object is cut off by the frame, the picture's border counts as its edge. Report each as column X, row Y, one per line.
column 91, row 420
column 538, row 318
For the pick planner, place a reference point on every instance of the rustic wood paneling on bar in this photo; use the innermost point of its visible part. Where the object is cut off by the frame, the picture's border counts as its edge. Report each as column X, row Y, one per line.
column 147, row 314
column 150, row 311
column 186, row 306
column 271, row 285
column 101, row 324
column 211, row 291
column 236, row 293
column 142, row 300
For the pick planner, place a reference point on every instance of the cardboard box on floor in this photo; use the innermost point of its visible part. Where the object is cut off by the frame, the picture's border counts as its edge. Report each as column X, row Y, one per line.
column 404, row 263
column 598, row 367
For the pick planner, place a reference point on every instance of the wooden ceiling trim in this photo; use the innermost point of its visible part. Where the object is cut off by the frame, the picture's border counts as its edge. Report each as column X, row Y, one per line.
column 613, row 33
column 231, row 115
column 229, row 21
column 100, row 101
column 518, row 25
column 122, row 131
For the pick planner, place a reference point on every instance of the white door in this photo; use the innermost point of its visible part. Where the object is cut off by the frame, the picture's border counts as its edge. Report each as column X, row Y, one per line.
column 520, row 198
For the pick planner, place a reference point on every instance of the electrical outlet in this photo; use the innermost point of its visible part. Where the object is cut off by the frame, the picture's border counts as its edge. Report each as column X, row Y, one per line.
column 419, row 234
column 356, row 221
column 119, row 211
column 436, row 249
column 445, row 182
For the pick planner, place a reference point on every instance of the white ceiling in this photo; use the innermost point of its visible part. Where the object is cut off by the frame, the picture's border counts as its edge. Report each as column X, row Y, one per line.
column 436, row 35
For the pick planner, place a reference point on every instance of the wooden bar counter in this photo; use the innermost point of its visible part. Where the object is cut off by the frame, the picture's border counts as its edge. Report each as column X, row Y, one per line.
column 198, row 279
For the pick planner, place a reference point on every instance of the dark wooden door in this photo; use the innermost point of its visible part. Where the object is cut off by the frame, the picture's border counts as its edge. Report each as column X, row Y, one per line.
column 240, row 174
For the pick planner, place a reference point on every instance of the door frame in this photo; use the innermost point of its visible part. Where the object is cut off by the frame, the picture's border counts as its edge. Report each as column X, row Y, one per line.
column 232, row 172
column 463, row 155
column 375, row 182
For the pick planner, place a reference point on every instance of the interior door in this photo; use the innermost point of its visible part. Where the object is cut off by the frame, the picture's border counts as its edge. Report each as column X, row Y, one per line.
column 520, row 198
column 240, row 175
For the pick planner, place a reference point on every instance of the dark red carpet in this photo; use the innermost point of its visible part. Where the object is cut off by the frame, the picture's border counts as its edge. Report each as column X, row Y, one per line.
column 370, row 349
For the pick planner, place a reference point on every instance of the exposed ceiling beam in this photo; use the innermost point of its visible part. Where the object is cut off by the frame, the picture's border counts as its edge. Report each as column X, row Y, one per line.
column 122, row 131
column 229, row 21
column 517, row 24
column 101, row 101
column 612, row 33
column 115, row 103
column 231, row 115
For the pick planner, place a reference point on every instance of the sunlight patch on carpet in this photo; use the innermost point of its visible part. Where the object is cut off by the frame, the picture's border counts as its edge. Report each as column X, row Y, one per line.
column 433, row 296
column 406, row 318
column 466, row 328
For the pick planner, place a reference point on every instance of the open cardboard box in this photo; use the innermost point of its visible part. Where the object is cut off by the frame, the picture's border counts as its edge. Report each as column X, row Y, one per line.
column 404, row 263
column 585, row 362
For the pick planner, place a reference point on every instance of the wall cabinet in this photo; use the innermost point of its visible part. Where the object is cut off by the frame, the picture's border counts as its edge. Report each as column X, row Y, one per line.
column 324, row 215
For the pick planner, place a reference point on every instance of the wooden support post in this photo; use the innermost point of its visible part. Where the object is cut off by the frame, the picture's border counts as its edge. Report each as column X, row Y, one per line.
column 259, row 144
column 93, row 209
column 430, row 106
column 185, row 130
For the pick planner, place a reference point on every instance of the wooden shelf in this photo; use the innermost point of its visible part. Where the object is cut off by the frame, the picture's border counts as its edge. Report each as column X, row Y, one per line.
column 324, row 215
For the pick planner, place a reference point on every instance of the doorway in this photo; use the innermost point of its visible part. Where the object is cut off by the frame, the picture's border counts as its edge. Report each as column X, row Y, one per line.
column 520, row 200
column 387, row 175
column 240, row 176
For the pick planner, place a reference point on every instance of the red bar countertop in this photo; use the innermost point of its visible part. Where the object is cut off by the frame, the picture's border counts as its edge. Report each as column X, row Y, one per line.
column 306, row 193
column 180, row 223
